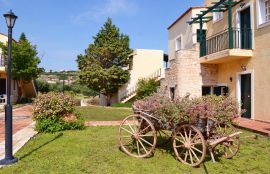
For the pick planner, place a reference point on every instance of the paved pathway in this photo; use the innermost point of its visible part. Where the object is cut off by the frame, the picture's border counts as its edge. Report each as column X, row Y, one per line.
column 252, row 125
column 23, row 128
column 255, row 126
column 22, row 117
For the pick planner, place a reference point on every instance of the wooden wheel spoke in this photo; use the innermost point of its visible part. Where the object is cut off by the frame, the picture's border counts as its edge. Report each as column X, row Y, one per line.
column 180, row 146
column 144, row 129
column 142, row 145
column 138, row 148
column 180, row 140
column 182, row 136
column 196, row 149
column 130, row 127
column 146, row 135
column 194, row 138
column 186, row 154
column 189, row 136
column 191, row 159
column 146, row 141
column 185, row 134
column 194, row 154
column 127, row 130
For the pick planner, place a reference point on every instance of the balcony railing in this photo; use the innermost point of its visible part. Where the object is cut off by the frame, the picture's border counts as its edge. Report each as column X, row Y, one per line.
column 2, row 60
column 242, row 39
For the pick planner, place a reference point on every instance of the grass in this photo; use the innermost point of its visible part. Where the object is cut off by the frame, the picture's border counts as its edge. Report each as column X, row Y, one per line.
column 95, row 150
column 97, row 113
column 125, row 105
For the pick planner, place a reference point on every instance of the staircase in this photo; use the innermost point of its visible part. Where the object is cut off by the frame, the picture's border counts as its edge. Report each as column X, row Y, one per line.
column 129, row 93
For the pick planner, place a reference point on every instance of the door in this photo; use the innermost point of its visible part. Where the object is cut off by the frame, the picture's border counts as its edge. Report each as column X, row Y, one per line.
column 246, row 95
column 3, row 86
column 245, row 29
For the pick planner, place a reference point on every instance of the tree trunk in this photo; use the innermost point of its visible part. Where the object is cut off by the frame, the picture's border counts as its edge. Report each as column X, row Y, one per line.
column 19, row 91
column 108, row 100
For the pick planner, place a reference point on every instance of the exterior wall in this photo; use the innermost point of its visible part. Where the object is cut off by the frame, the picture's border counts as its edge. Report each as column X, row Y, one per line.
column 182, row 29
column 184, row 75
column 145, row 63
column 258, row 64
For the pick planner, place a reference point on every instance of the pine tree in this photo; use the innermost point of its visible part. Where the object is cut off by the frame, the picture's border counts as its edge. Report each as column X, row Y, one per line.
column 101, row 67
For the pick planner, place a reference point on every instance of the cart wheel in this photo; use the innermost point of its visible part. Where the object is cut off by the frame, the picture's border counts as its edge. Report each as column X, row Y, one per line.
column 137, row 136
column 228, row 148
column 163, row 137
column 189, row 145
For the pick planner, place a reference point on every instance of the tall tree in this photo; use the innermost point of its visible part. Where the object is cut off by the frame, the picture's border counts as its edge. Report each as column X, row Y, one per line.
column 101, row 67
column 25, row 61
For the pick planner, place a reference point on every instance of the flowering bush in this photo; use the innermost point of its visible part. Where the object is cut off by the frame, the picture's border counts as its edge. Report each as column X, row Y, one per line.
column 55, row 112
column 187, row 110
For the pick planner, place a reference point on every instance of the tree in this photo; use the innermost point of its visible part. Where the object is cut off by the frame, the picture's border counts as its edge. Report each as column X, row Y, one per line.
column 101, row 67
column 24, row 66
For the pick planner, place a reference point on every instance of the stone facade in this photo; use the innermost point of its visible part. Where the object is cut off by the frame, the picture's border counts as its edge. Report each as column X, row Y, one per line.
column 187, row 76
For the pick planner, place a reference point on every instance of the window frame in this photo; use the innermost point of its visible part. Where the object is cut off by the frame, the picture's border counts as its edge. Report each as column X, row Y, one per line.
column 261, row 13
column 178, row 43
column 217, row 17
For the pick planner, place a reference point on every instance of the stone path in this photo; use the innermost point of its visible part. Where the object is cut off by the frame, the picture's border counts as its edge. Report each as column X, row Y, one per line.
column 104, row 123
column 23, row 128
column 22, row 117
column 255, row 126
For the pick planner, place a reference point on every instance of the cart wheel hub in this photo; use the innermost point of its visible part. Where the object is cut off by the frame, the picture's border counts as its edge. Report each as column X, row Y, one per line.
column 187, row 145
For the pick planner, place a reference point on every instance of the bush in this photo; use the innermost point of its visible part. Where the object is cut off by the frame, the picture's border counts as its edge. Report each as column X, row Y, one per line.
column 25, row 100
column 55, row 112
column 146, row 87
column 43, row 86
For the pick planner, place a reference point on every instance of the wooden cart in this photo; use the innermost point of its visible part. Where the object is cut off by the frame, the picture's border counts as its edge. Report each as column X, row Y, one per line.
column 140, row 133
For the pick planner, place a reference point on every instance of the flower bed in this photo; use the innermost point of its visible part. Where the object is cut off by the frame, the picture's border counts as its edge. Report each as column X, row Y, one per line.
column 189, row 110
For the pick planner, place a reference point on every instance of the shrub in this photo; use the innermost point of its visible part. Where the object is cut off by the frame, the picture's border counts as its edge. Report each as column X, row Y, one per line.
column 146, row 87
column 55, row 112
column 186, row 110
column 43, row 86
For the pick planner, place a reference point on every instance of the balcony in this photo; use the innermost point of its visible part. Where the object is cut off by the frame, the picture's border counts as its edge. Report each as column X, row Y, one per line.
column 219, row 48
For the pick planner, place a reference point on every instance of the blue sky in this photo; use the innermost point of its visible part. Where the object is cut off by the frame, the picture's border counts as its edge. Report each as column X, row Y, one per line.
column 62, row 29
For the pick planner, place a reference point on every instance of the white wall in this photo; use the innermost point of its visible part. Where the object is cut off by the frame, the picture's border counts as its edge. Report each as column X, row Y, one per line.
column 185, row 31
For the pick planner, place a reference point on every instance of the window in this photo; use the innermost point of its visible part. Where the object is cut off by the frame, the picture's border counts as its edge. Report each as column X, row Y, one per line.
column 130, row 66
column 263, row 11
column 217, row 16
column 172, row 93
column 178, row 44
column 215, row 90
column 267, row 10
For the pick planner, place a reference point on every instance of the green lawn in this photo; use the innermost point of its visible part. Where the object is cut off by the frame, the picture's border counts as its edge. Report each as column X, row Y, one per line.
column 95, row 150
column 97, row 113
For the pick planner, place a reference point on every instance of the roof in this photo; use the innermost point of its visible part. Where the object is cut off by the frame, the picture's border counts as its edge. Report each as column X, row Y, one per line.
column 183, row 15
column 7, row 37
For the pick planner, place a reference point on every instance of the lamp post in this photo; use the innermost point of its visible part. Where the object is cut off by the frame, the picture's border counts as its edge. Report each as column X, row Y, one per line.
column 9, row 158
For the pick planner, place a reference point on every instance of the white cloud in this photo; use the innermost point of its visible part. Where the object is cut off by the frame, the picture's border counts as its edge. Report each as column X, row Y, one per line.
column 5, row 2
column 108, row 9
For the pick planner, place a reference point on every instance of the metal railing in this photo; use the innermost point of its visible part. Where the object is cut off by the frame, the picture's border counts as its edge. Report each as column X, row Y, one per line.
column 242, row 39
column 2, row 60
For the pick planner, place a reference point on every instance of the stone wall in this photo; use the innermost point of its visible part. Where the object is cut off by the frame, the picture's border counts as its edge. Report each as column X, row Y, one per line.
column 187, row 75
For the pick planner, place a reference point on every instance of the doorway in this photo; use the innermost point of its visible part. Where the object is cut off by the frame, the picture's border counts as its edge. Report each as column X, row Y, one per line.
column 246, row 97
column 3, row 86
column 245, row 29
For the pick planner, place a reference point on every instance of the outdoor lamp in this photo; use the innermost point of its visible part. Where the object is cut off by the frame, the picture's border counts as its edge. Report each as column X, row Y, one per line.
column 10, row 19
column 9, row 158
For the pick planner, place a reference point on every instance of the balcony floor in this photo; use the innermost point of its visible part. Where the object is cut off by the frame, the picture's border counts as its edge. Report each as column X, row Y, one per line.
column 226, row 56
